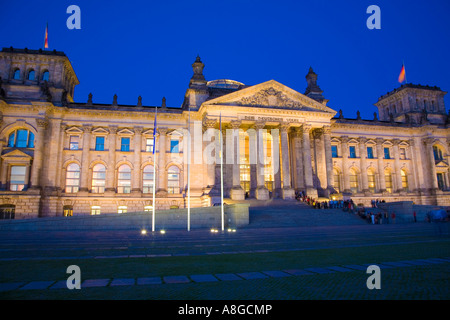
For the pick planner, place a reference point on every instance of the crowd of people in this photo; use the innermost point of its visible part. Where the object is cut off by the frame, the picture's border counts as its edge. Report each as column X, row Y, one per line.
column 346, row 205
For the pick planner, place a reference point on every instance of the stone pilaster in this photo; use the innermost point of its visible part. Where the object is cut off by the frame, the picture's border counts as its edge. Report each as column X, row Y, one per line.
column 380, row 155
column 136, row 182
column 328, row 158
column 428, row 144
column 299, row 183
column 36, row 168
column 162, row 176
column 363, row 164
column 398, row 176
column 112, row 137
column 345, row 173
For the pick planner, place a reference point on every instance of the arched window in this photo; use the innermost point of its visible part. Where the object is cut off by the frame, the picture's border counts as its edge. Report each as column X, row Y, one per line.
column 147, row 179
column 173, row 180
column 21, row 138
column 438, row 156
column 98, row 178
column 72, row 178
column 244, row 155
column 353, row 181
column 268, row 159
column 68, row 211
column 30, row 75
column 16, row 75
column 337, row 180
column 124, row 179
column 46, row 76
column 404, row 180
column 388, row 179
column 371, row 180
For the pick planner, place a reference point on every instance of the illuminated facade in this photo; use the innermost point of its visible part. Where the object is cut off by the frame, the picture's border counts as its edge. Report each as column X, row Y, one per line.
column 60, row 157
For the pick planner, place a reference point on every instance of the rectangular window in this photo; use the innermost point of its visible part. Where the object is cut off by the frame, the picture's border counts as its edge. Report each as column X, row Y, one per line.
column 22, row 138
column 334, row 151
column 99, row 143
column 122, row 209
column 441, row 181
column 352, row 151
column 17, row 181
column 174, row 146
column 386, row 153
column 402, row 153
column 388, row 179
column 73, row 143
column 95, row 210
column 125, row 144
column 149, row 145
column 369, row 153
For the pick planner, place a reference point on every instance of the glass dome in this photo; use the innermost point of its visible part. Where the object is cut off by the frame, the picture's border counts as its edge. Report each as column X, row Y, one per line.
column 224, row 84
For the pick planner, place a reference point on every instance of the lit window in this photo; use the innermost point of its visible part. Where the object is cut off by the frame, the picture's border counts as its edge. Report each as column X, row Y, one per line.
column 122, row 209
column 74, row 142
column 173, row 181
column 95, row 210
column 148, row 208
column 371, row 180
column 124, row 179
column 334, row 151
column 98, row 178
column 21, row 138
column 16, row 74
column 17, row 181
column 45, row 76
column 353, row 181
column 402, row 153
column 100, row 143
column 437, row 152
column 31, row 75
column 404, row 180
column 388, row 179
column 68, row 211
column 147, row 179
column 174, row 146
column 149, row 145
column 125, row 144
column 72, row 178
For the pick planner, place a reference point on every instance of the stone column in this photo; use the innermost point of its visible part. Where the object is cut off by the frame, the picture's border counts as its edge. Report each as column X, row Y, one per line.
column 3, row 165
column 85, row 158
column 261, row 192
column 428, row 143
column 236, row 192
column 380, row 154
column 38, row 154
column 398, row 176
column 307, row 164
column 299, row 184
column 137, row 141
column 112, row 137
column 162, row 176
column 363, row 157
column 287, row 191
column 328, row 158
column 62, row 134
column 210, row 125
column 345, row 173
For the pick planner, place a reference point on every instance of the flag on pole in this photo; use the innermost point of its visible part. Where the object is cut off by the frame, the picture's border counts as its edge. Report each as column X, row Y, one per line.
column 154, row 130
column 46, row 37
column 189, row 172
column 402, row 75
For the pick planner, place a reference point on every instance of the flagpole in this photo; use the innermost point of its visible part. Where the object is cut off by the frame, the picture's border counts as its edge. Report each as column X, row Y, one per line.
column 406, row 80
column 154, row 172
column 221, row 171
column 188, row 172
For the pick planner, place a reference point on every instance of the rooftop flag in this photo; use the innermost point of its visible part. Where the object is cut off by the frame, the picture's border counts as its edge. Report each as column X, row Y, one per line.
column 402, row 75
column 46, row 37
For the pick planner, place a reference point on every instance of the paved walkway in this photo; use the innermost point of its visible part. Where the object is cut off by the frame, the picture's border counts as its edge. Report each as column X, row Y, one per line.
column 201, row 278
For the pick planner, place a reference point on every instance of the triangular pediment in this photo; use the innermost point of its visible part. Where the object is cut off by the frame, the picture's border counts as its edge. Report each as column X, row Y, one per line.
column 270, row 94
column 125, row 132
column 441, row 163
column 74, row 130
column 17, row 154
column 100, row 131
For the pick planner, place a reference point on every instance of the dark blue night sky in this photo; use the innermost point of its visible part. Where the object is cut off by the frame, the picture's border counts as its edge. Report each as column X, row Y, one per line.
column 133, row 48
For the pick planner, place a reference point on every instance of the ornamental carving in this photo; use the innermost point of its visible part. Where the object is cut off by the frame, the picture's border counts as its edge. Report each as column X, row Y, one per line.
column 270, row 97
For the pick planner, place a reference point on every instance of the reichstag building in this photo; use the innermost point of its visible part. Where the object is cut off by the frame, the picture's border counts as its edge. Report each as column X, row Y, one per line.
column 61, row 157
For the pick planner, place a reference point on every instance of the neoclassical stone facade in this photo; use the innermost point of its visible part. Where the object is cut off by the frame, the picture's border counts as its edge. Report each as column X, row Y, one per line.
column 61, row 157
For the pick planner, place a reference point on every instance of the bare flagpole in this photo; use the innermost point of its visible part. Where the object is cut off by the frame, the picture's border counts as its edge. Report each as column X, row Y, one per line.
column 154, row 171
column 189, row 172
column 221, row 171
